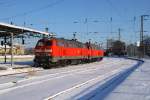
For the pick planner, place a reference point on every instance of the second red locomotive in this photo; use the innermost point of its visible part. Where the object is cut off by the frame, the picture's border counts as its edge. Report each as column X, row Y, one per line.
column 59, row 51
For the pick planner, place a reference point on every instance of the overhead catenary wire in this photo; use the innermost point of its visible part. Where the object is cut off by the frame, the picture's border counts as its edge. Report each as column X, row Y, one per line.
column 33, row 10
column 5, row 2
column 114, row 8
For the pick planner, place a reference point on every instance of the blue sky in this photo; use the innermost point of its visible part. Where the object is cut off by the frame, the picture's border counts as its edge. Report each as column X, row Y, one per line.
column 92, row 17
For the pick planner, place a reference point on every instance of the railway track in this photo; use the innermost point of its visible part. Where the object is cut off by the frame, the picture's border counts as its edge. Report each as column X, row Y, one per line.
column 53, row 72
column 19, row 71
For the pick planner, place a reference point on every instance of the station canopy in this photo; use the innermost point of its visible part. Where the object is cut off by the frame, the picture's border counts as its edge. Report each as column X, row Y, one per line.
column 6, row 29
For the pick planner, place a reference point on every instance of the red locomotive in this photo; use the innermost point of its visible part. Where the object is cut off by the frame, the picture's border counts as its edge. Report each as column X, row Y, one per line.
column 59, row 51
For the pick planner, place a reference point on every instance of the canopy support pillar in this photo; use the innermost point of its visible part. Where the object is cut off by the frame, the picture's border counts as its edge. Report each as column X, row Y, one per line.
column 5, row 48
column 11, row 49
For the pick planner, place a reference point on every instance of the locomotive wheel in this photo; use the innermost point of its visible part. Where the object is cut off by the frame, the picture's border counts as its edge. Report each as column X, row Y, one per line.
column 101, row 58
column 62, row 63
column 68, row 62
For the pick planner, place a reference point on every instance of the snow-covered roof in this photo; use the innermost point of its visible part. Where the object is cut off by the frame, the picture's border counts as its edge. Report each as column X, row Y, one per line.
column 6, row 28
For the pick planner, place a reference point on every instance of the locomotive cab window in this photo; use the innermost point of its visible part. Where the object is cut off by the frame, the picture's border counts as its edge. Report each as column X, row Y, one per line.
column 60, row 43
column 44, row 43
column 40, row 43
column 48, row 43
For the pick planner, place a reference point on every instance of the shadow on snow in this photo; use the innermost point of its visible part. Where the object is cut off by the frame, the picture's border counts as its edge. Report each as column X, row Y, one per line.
column 103, row 89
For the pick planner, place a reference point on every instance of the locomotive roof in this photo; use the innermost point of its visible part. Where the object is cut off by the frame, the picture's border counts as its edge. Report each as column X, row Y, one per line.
column 74, row 42
column 63, row 39
column 67, row 39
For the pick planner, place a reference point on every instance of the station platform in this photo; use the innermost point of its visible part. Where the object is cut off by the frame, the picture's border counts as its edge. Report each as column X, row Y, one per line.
column 135, row 87
column 17, row 68
column 19, row 61
column 21, row 64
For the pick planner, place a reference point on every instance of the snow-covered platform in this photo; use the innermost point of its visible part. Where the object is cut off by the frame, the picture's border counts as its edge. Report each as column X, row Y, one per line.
column 134, row 87
column 20, row 61
column 21, row 64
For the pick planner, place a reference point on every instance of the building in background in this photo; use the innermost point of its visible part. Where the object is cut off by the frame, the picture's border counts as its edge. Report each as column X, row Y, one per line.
column 132, row 50
column 115, row 47
column 146, row 43
column 18, row 49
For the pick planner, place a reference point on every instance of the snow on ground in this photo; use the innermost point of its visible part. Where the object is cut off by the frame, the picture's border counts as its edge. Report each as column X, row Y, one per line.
column 104, row 63
column 71, row 82
column 88, row 89
column 19, row 61
column 18, row 56
column 135, row 87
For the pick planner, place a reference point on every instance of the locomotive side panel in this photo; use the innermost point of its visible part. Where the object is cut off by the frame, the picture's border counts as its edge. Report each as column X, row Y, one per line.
column 70, row 50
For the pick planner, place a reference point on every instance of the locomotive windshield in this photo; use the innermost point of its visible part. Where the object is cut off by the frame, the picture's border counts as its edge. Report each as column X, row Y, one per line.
column 48, row 43
column 44, row 43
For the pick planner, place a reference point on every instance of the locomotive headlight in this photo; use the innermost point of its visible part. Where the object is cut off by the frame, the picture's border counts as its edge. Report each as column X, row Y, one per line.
column 46, row 54
column 48, row 50
column 37, row 54
column 38, row 50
